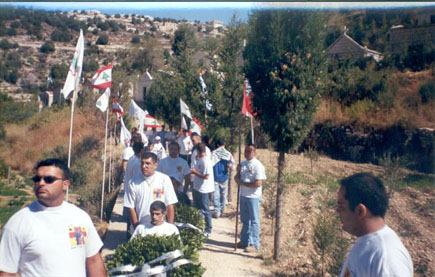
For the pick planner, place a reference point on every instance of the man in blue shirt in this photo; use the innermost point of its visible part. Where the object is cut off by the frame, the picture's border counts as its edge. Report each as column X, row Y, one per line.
column 223, row 161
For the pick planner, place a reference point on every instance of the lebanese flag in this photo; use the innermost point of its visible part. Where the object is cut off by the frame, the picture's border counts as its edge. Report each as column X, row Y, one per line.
column 116, row 108
column 103, row 78
column 246, row 105
column 195, row 126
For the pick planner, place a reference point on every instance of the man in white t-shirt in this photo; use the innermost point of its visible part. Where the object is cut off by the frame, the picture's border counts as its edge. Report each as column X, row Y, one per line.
column 186, row 145
column 203, row 184
column 133, row 168
column 158, row 148
column 51, row 237
column 158, row 225
column 250, row 177
column 147, row 187
column 196, row 140
column 176, row 168
column 362, row 203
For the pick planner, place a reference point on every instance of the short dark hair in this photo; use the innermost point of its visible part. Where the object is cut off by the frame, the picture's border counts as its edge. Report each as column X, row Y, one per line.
column 147, row 155
column 220, row 142
column 56, row 163
column 158, row 206
column 251, row 145
column 200, row 148
column 175, row 144
column 137, row 146
column 194, row 134
column 367, row 189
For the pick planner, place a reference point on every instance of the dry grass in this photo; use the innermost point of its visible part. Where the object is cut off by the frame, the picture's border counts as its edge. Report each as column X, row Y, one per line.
column 26, row 142
column 402, row 104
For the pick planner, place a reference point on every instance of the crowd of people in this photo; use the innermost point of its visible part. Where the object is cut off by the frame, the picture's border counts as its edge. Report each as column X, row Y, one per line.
column 51, row 237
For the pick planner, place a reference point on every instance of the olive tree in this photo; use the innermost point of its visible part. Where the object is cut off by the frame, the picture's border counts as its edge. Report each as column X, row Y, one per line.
column 284, row 63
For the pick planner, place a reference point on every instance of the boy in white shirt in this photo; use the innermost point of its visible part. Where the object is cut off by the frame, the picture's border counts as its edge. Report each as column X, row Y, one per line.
column 203, row 184
column 157, row 226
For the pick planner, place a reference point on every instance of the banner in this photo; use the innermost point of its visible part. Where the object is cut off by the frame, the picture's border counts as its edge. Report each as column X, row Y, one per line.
column 103, row 100
column 103, row 78
column 246, row 105
column 183, row 123
column 125, row 134
column 117, row 108
column 203, row 86
column 135, row 111
column 185, row 109
column 75, row 70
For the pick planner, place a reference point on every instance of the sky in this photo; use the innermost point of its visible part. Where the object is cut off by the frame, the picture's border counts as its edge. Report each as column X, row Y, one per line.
column 206, row 11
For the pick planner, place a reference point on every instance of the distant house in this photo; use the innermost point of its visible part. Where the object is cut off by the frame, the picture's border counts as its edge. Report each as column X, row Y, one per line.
column 50, row 97
column 346, row 48
column 217, row 24
column 143, row 87
column 400, row 38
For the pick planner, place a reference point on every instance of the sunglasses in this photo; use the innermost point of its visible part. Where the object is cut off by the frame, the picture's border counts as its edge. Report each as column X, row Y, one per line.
column 47, row 179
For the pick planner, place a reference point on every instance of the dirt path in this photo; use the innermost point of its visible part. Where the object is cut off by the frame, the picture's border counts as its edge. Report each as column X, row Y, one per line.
column 220, row 259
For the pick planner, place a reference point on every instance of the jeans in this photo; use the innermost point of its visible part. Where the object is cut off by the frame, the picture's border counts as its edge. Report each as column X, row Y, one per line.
column 250, row 217
column 219, row 199
column 200, row 201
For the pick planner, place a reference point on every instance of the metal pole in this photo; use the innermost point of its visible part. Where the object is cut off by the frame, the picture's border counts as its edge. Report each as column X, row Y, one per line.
column 104, row 165
column 71, row 132
column 252, row 131
column 238, row 193
column 110, row 161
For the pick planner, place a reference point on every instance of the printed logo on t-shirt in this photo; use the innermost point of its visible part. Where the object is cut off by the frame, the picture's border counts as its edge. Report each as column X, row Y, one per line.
column 158, row 193
column 347, row 273
column 179, row 168
column 77, row 236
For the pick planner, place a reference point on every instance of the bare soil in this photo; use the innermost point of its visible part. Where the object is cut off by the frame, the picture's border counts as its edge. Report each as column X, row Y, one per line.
column 411, row 215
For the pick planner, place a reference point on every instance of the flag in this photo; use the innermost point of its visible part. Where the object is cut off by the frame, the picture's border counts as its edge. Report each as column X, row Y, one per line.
column 135, row 111
column 116, row 108
column 125, row 134
column 183, row 123
column 195, row 126
column 185, row 109
column 203, row 86
column 246, row 105
column 103, row 100
column 75, row 70
column 103, row 78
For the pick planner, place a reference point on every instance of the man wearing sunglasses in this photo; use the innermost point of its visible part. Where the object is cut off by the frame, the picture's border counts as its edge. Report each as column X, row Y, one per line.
column 51, row 237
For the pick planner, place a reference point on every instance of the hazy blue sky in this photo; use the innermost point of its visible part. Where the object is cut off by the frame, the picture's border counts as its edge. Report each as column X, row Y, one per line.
column 208, row 10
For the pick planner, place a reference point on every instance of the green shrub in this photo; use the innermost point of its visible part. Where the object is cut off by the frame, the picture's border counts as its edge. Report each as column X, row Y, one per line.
column 47, row 47
column 140, row 250
column 3, row 169
column 102, row 40
column 427, row 92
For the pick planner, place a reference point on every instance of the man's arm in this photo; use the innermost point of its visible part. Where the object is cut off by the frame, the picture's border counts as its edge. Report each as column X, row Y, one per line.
column 133, row 217
column 255, row 184
column 170, row 213
column 187, row 182
column 202, row 176
column 95, row 266
column 124, row 165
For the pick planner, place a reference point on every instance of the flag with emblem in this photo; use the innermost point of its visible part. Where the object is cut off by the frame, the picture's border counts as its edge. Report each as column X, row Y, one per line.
column 103, row 78
column 103, row 100
column 75, row 70
column 117, row 109
column 246, row 105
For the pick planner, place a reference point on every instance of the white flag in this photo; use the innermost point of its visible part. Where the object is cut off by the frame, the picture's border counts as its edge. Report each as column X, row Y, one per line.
column 75, row 70
column 185, row 109
column 103, row 100
column 183, row 123
column 125, row 134
column 203, row 86
column 135, row 111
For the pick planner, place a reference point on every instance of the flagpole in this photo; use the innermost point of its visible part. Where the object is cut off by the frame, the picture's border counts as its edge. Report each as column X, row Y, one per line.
column 238, row 192
column 110, row 160
column 70, row 133
column 252, row 131
column 104, row 165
